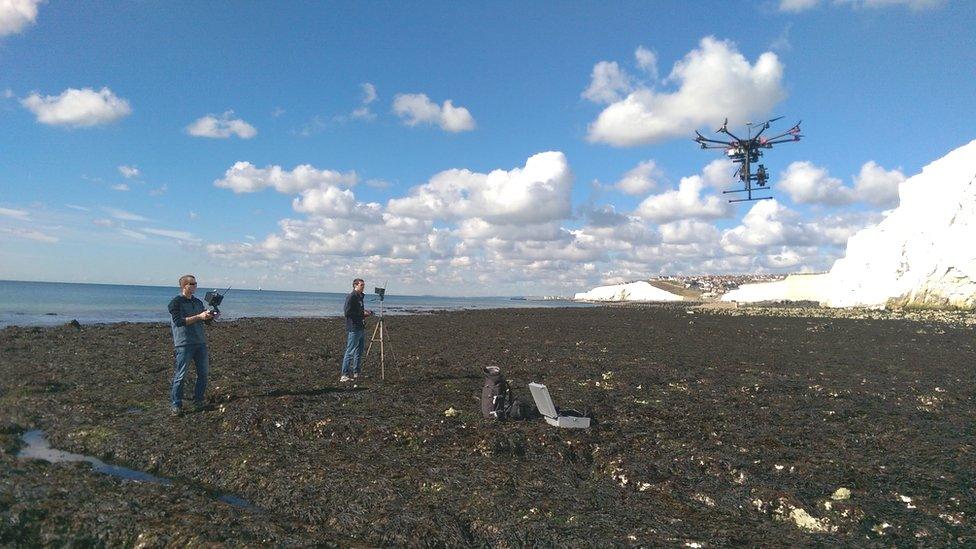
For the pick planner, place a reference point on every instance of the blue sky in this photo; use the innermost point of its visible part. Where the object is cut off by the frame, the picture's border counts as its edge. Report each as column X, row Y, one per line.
column 458, row 148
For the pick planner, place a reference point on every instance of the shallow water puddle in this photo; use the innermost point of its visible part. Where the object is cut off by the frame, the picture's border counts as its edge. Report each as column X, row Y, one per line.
column 38, row 447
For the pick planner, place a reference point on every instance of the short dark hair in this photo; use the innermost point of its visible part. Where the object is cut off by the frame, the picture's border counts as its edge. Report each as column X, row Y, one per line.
column 186, row 278
column 358, row 281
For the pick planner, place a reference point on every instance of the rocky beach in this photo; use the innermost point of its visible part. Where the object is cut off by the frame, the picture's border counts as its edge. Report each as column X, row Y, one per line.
column 792, row 427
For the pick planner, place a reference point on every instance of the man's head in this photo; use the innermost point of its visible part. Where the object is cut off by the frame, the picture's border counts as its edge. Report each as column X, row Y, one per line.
column 188, row 285
column 359, row 285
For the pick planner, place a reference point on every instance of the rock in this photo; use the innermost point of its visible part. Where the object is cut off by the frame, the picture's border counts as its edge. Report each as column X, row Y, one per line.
column 840, row 494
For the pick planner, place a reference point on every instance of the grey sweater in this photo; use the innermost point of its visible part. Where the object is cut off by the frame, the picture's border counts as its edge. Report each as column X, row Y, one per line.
column 180, row 308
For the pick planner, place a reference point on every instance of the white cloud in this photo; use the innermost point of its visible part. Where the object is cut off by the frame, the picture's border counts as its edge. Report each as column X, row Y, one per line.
column 330, row 201
column 30, row 234
column 369, row 96
column 176, row 235
column 120, row 187
column 244, row 177
column 714, row 82
column 129, row 172
column 795, row 6
column 124, row 215
column 77, row 108
column 16, row 214
column 417, row 108
column 16, row 15
column 878, row 186
column 719, row 173
column 688, row 231
column 538, row 192
column 222, row 127
column 641, row 179
column 159, row 191
column 806, row 183
column 685, row 202
column 647, row 61
column 915, row 5
column 608, row 83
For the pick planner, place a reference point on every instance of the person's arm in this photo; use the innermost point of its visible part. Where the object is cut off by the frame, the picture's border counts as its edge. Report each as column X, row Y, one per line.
column 349, row 309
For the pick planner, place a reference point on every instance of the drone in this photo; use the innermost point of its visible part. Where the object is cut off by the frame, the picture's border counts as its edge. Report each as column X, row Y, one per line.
column 747, row 151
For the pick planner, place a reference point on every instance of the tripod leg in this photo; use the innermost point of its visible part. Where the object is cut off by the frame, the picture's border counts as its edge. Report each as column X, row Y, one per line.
column 370, row 346
column 382, row 357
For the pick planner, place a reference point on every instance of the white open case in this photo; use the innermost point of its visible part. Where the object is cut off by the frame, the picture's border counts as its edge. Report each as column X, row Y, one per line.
column 545, row 405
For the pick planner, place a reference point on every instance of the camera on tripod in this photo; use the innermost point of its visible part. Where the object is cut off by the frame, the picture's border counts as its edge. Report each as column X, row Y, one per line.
column 380, row 292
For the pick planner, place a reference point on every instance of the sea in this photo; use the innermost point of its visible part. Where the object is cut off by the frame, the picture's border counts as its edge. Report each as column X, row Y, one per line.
column 53, row 303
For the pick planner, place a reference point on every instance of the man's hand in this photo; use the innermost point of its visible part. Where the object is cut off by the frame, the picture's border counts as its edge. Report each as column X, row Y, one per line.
column 206, row 316
column 367, row 312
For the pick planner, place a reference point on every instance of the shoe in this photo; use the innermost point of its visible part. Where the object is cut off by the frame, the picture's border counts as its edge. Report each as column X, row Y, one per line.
column 175, row 411
column 199, row 406
column 344, row 379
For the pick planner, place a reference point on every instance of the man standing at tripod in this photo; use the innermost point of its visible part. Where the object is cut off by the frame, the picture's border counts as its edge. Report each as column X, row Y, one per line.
column 355, row 313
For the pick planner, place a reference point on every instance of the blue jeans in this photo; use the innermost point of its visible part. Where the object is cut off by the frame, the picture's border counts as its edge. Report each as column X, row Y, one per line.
column 182, row 356
column 353, row 359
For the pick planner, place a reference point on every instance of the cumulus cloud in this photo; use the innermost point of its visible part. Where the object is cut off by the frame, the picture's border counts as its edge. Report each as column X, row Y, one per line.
column 77, row 108
column 129, row 172
column 120, row 187
column 646, row 61
column 608, row 83
column 330, row 201
column 417, row 108
column 806, row 183
column 16, row 214
column 221, row 127
column 16, row 15
column 685, row 202
column 688, row 231
column 244, row 177
column 641, row 179
column 713, row 82
column 877, row 186
column 538, row 192
column 767, row 223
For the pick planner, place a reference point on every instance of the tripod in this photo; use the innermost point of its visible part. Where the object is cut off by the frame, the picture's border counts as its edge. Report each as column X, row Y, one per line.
column 380, row 329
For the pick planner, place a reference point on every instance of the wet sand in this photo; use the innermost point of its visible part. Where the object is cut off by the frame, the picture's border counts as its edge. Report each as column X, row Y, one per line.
column 710, row 429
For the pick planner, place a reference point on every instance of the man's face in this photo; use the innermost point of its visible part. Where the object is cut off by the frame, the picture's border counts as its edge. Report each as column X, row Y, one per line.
column 359, row 286
column 190, row 286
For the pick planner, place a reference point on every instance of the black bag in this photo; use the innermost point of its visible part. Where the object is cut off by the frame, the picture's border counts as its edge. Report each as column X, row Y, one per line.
column 495, row 395
column 499, row 402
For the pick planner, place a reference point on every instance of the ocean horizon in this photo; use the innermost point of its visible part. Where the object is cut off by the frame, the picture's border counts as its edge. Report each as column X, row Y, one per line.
column 26, row 303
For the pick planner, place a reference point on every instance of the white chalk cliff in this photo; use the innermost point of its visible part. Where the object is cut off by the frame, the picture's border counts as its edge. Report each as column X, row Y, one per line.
column 634, row 291
column 922, row 254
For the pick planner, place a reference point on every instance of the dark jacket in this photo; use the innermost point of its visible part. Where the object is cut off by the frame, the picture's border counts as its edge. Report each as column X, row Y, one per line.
column 355, row 312
column 180, row 308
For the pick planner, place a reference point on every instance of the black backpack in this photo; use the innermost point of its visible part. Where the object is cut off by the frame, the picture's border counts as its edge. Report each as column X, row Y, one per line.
column 495, row 395
column 499, row 402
